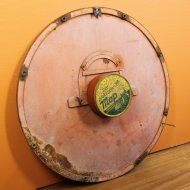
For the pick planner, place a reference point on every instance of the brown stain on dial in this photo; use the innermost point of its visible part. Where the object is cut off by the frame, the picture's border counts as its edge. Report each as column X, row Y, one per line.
column 61, row 159
column 118, row 143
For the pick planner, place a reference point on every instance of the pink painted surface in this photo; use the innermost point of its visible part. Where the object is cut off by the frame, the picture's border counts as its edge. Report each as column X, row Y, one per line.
column 102, row 147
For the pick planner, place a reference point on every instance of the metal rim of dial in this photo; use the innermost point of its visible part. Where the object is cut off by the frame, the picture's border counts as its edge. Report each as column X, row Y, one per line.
column 34, row 143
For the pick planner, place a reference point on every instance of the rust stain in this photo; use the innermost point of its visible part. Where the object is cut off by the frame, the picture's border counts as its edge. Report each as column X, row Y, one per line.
column 59, row 158
column 94, row 131
column 47, row 153
column 110, row 133
column 119, row 57
column 57, row 161
column 141, row 157
column 107, row 146
column 60, row 163
column 118, row 143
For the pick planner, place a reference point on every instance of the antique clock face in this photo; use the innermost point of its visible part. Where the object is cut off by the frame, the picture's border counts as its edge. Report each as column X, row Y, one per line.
column 93, row 94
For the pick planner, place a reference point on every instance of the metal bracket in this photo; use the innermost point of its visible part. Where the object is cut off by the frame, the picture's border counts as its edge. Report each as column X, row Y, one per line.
column 125, row 16
column 85, row 71
column 159, row 53
column 138, row 160
column 65, row 18
column 165, row 113
column 134, row 90
column 23, row 73
column 97, row 11
column 169, row 124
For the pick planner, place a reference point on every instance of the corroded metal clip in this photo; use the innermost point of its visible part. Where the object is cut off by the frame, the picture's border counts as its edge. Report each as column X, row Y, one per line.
column 23, row 73
column 97, row 11
column 138, row 160
column 125, row 16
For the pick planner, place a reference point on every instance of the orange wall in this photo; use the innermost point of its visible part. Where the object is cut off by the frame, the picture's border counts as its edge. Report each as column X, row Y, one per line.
column 21, row 21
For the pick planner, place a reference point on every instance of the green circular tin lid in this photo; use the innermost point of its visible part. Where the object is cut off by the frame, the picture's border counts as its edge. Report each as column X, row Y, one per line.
column 112, row 95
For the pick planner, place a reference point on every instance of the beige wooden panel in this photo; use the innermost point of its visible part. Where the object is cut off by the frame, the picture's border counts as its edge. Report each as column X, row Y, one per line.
column 165, row 170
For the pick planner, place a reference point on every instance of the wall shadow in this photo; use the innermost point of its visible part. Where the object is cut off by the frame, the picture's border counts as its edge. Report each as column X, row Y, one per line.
column 69, row 184
column 28, row 163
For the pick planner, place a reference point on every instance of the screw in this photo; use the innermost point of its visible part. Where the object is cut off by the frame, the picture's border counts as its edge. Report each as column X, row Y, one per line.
column 34, row 145
column 23, row 73
column 165, row 112
column 124, row 16
column 63, row 19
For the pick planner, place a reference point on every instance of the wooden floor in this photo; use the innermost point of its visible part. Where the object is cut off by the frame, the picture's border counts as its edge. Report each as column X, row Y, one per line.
column 165, row 170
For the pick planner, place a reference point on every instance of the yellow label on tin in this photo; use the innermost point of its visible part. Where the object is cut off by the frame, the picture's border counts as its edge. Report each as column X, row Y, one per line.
column 112, row 95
